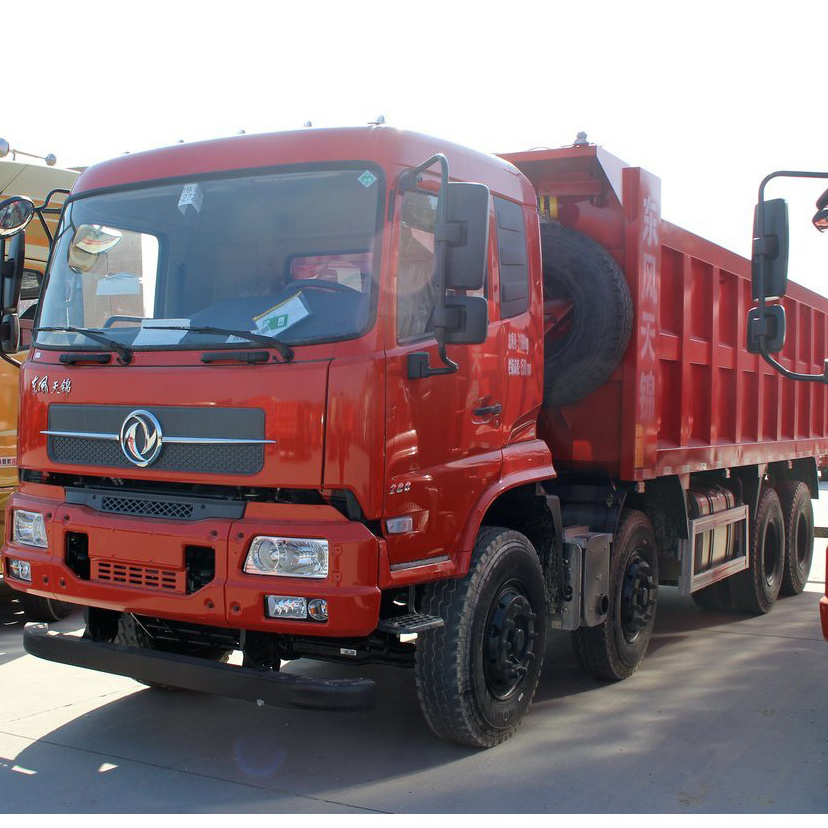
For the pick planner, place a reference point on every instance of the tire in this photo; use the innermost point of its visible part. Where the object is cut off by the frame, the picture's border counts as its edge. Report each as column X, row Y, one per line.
column 755, row 590
column 592, row 292
column 38, row 608
column 614, row 649
column 798, row 515
column 714, row 598
column 476, row 676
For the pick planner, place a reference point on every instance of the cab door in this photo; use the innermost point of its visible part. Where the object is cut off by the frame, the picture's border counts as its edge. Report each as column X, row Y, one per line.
column 445, row 432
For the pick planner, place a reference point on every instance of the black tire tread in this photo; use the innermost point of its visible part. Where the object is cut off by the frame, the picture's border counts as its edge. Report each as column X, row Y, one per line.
column 440, row 651
column 602, row 325
column 749, row 594
column 595, row 647
column 794, row 495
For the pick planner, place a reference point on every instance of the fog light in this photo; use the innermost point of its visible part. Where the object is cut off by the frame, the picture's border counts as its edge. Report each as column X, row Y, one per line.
column 292, row 557
column 318, row 609
column 29, row 528
column 287, row 606
column 21, row 570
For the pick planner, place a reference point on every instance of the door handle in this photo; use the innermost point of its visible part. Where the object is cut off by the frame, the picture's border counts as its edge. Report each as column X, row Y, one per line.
column 488, row 411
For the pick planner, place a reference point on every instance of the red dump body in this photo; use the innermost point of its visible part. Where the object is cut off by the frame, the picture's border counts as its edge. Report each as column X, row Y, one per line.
column 688, row 396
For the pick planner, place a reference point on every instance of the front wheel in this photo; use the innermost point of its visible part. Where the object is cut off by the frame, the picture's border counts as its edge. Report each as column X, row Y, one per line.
column 38, row 608
column 477, row 676
column 614, row 649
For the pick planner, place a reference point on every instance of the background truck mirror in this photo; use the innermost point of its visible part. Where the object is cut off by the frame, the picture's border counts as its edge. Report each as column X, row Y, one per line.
column 9, row 333
column 770, row 249
column 467, row 234
column 473, row 321
column 15, row 213
column 12, row 258
column 766, row 332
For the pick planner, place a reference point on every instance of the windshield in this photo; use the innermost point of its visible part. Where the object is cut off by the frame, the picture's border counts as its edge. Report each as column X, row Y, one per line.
column 287, row 255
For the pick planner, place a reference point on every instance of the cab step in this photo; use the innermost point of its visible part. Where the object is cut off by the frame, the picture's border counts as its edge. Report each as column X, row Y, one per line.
column 409, row 624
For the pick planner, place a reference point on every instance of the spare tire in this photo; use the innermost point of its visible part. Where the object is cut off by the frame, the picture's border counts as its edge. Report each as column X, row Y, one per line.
column 588, row 315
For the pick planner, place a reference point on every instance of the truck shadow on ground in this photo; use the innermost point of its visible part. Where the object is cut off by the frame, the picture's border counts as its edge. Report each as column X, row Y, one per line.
column 181, row 747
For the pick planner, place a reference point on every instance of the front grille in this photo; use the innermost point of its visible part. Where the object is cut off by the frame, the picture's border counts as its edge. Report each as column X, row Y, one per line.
column 208, row 426
column 205, row 459
column 135, row 575
column 149, row 508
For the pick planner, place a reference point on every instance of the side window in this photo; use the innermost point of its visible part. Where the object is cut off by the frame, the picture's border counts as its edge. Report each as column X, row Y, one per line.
column 511, row 247
column 416, row 291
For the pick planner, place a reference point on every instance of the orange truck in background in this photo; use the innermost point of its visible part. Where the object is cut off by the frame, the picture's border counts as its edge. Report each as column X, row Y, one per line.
column 35, row 180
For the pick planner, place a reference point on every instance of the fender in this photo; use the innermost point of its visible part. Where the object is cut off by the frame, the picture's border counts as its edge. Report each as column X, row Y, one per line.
column 523, row 464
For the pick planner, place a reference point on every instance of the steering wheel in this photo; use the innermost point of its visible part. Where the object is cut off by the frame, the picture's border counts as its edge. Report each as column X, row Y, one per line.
column 335, row 287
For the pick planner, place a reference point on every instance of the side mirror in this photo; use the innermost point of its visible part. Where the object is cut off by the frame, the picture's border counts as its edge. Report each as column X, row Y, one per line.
column 15, row 213
column 770, row 249
column 467, row 232
column 472, row 313
column 767, row 330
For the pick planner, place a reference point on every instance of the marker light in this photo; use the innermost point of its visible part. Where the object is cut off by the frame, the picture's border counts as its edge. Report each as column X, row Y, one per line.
column 291, row 557
column 29, row 529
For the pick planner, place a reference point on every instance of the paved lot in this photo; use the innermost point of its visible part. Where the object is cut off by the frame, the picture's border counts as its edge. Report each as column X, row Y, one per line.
column 727, row 714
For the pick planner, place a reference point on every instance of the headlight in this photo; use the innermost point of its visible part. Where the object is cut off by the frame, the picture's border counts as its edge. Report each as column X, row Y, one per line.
column 291, row 557
column 29, row 528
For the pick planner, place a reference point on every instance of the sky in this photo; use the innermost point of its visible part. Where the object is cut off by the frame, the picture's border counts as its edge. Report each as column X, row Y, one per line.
column 709, row 96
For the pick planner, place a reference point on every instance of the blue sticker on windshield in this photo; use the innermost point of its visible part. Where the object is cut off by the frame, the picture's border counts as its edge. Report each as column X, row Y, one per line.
column 367, row 179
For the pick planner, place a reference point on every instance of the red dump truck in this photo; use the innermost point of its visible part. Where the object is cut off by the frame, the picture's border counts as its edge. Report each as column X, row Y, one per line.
column 363, row 395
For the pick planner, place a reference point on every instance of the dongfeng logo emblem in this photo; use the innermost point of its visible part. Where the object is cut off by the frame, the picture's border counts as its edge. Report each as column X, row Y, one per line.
column 141, row 438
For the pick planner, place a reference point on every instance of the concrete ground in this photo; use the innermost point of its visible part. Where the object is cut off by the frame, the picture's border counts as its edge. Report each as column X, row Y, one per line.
column 727, row 714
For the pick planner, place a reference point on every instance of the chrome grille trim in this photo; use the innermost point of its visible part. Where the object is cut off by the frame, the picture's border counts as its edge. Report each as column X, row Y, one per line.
column 193, row 441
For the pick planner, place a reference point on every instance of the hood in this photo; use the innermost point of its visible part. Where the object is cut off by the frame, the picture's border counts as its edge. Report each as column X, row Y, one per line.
column 250, row 425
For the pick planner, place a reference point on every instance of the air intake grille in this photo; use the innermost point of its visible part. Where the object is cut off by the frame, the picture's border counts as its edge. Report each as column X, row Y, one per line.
column 149, row 508
column 133, row 575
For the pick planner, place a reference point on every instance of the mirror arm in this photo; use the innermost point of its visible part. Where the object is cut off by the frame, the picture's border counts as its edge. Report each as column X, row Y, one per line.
column 823, row 377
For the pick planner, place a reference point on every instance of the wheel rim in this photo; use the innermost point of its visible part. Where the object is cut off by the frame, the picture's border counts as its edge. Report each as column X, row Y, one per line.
column 510, row 642
column 638, row 599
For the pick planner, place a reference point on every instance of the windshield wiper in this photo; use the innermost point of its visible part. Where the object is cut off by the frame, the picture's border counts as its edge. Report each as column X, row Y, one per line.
column 124, row 353
column 285, row 351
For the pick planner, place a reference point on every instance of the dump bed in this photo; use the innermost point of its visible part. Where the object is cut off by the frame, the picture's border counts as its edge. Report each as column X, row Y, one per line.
column 687, row 395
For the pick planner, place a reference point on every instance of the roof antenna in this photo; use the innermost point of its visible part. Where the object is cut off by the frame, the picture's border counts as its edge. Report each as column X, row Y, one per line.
column 379, row 121
column 307, row 124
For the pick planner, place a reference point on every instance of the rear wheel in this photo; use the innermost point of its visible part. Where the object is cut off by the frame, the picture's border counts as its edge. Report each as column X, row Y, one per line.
column 798, row 515
column 614, row 649
column 714, row 598
column 476, row 676
column 755, row 590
